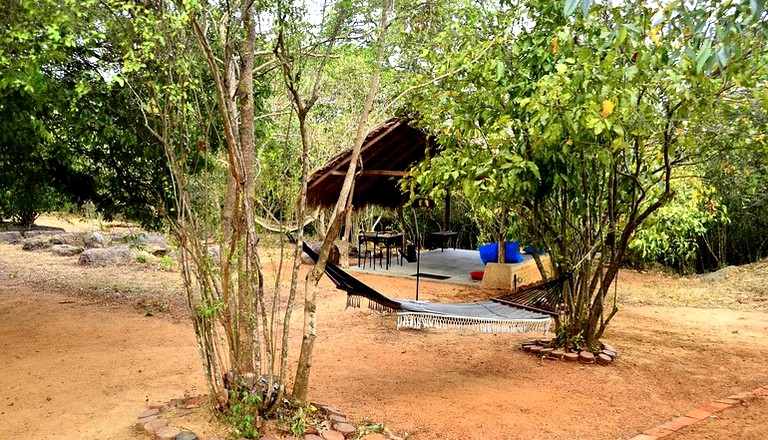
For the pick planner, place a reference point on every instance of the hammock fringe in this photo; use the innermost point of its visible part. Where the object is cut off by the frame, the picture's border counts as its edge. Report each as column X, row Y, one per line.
column 354, row 301
column 420, row 321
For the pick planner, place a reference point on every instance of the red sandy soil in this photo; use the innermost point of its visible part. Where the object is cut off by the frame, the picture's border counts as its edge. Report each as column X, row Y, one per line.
column 80, row 360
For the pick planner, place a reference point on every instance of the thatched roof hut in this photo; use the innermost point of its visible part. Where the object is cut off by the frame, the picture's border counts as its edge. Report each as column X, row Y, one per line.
column 387, row 152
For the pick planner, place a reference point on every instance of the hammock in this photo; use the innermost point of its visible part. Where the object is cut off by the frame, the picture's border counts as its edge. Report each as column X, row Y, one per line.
column 528, row 309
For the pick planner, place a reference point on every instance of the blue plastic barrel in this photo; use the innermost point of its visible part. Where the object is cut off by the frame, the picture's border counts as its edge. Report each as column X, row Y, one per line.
column 489, row 253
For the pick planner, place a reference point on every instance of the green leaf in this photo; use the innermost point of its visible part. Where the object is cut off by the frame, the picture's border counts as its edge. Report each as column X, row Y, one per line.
column 561, row 68
column 702, row 58
column 570, row 6
column 722, row 57
column 756, row 6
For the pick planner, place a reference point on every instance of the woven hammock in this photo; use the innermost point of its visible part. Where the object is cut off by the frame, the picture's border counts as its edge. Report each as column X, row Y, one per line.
column 526, row 310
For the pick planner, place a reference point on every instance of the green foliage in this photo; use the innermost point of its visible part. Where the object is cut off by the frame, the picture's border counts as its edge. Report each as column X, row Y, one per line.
column 68, row 134
column 580, row 128
column 671, row 234
column 299, row 423
column 243, row 413
column 166, row 263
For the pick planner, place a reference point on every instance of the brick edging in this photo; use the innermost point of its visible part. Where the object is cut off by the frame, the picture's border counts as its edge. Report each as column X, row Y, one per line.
column 696, row 415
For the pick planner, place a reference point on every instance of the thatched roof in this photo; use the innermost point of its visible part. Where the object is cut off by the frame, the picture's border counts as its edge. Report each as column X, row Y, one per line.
column 387, row 152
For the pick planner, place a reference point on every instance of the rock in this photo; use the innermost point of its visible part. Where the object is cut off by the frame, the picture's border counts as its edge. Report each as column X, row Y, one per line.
column 720, row 275
column 149, row 412
column 108, row 256
column 604, row 359
column 332, row 410
column 167, row 433
column 338, row 419
column 188, row 435
column 347, row 429
column 572, row 357
column 143, row 421
column 40, row 233
column 535, row 349
column 158, row 250
column 546, row 351
column 65, row 250
column 586, row 357
column 96, row 240
column 610, row 353
column 154, row 424
column 330, row 434
column 558, row 354
column 158, row 406
column 11, row 237
column 312, row 437
column 608, row 347
column 333, row 256
column 36, row 243
column 268, row 437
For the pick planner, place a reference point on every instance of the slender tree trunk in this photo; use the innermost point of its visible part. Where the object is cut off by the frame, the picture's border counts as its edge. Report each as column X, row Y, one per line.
column 301, row 384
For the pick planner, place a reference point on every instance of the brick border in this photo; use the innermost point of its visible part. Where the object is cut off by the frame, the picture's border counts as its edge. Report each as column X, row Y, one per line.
column 697, row 415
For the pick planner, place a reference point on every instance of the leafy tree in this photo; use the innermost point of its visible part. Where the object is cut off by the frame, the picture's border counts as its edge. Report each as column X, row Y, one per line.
column 580, row 126
column 67, row 134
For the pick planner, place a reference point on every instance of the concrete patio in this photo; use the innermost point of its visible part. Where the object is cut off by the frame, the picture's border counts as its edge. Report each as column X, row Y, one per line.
column 453, row 264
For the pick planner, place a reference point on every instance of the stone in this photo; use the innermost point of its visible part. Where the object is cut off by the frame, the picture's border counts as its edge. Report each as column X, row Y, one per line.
column 698, row 414
column 679, row 423
column 607, row 347
column 36, row 243
column 557, row 354
column 333, row 256
column 586, row 357
column 188, row 435
column 158, row 406
column 714, row 407
column 603, row 359
column 330, row 434
column 535, row 349
column 11, row 237
column 107, row 256
column 143, row 421
column 332, row 410
column 658, row 432
column 527, row 347
column 65, row 250
column 149, row 412
column 40, row 233
column 572, row 357
column 268, row 437
column 96, row 240
column 609, row 353
column 312, row 437
column 337, row 418
column 154, row 424
column 159, row 250
column 727, row 401
column 347, row 429
column 167, row 433
column 546, row 351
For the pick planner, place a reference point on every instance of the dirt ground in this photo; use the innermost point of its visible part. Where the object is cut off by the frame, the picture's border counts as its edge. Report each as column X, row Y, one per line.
column 80, row 357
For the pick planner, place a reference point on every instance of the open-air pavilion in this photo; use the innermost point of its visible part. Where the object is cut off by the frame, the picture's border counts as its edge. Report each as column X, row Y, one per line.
column 387, row 153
